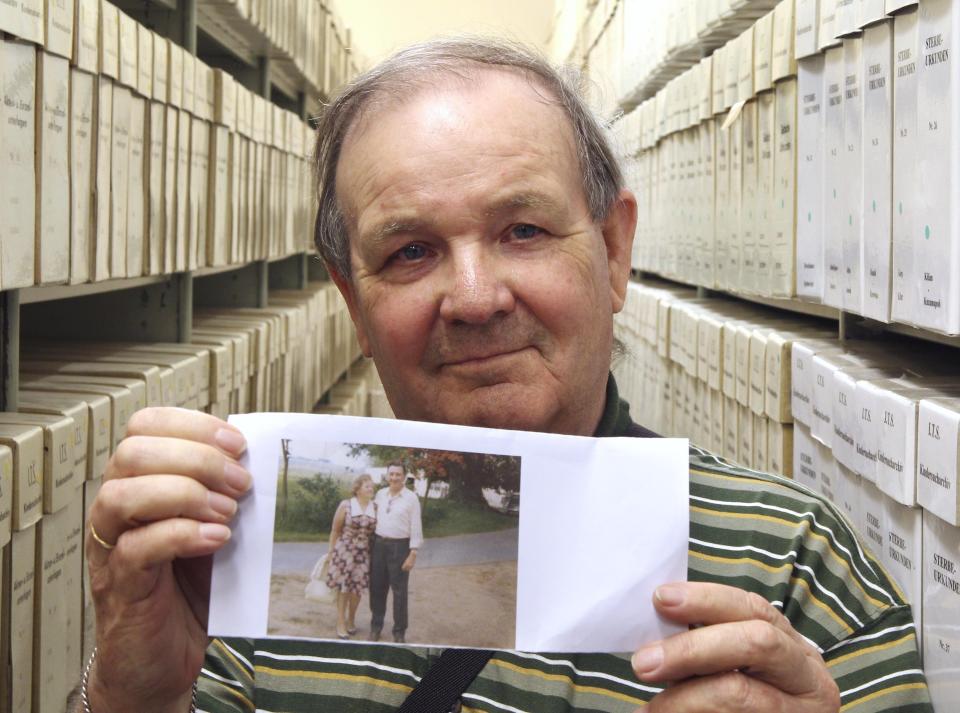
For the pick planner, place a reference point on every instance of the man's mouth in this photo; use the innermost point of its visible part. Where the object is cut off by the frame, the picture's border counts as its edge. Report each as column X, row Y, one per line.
column 482, row 358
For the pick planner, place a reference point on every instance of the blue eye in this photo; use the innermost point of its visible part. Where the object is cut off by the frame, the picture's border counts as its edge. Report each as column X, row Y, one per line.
column 525, row 231
column 413, row 251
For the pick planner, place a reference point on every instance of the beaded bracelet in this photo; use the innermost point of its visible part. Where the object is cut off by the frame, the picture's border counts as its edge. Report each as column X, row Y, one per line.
column 86, row 679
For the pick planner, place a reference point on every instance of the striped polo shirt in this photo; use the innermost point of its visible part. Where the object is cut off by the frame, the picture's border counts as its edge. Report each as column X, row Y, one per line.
column 759, row 532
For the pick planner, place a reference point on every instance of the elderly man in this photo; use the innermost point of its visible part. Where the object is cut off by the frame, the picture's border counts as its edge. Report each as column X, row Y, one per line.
column 474, row 217
column 396, row 541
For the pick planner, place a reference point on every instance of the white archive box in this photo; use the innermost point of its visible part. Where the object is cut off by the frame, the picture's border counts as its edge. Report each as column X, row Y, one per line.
column 872, row 11
column 129, row 46
column 848, row 492
column 811, row 162
column 161, row 68
column 745, row 88
column 766, row 191
column 109, row 40
column 827, row 473
column 937, row 246
column 906, row 48
column 941, row 612
column 807, row 26
column 53, row 177
column 805, row 457
column 894, row 6
column 763, row 52
column 872, row 525
column 145, row 61
column 803, row 376
column 826, row 37
column 851, row 218
column 784, row 217
column 845, row 419
column 938, row 437
column 18, row 68
column 877, row 168
column 747, row 242
column 784, row 62
column 903, row 553
column 848, row 18
column 833, row 185
column 731, row 71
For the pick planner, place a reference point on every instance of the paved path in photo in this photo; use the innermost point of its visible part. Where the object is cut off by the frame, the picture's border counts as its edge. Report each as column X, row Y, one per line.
column 499, row 546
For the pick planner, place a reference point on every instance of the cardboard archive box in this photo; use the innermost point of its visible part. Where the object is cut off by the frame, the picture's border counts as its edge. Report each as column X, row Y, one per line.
column 82, row 162
column 86, row 36
column 16, row 647
column 58, row 27
column 62, row 473
column 138, row 215
column 906, row 46
column 811, row 161
column 18, row 71
column 155, row 236
column 120, row 400
column 52, row 173
column 938, row 437
column 833, row 185
column 109, row 40
column 100, row 260
column 119, row 180
column 941, row 611
column 91, row 442
column 851, row 217
column 26, row 443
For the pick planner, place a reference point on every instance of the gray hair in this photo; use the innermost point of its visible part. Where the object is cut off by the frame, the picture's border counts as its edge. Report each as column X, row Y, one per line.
column 409, row 69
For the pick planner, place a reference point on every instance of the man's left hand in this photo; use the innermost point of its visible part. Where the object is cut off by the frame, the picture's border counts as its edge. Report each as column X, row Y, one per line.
column 745, row 657
column 409, row 562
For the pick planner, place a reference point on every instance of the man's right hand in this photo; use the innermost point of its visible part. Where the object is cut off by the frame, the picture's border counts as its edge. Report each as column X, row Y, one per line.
column 168, row 494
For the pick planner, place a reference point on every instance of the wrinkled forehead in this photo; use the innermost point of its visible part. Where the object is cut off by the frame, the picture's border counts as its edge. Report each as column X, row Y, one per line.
column 418, row 119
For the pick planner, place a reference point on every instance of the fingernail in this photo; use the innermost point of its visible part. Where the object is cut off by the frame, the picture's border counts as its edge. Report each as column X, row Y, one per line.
column 648, row 659
column 669, row 596
column 222, row 504
column 237, row 477
column 214, row 533
column 230, row 440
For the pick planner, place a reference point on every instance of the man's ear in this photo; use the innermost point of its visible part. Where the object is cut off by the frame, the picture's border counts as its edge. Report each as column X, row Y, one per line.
column 618, row 231
column 345, row 285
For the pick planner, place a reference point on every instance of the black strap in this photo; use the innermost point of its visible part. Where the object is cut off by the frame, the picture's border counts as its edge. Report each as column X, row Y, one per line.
column 445, row 681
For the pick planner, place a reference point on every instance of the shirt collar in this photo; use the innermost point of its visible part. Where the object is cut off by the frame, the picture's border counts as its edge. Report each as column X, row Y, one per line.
column 615, row 420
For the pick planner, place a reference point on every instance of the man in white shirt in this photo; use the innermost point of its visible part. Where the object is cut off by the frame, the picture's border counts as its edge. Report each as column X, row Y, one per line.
column 396, row 540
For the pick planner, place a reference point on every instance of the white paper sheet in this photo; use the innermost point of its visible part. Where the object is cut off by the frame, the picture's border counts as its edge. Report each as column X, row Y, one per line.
column 603, row 522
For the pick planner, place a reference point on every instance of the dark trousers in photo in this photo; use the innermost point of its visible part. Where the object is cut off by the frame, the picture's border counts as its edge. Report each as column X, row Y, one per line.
column 386, row 574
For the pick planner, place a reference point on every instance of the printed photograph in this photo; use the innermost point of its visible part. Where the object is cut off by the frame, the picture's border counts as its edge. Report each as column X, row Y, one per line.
column 395, row 545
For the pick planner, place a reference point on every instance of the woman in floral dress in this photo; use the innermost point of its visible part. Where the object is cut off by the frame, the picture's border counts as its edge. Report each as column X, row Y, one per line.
column 349, row 562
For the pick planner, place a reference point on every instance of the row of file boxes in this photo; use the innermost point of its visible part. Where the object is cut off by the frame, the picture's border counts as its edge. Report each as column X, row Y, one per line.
column 75, row 401
column 126, row 156
column 712, row 158
column 712, row 370
column 878, row 165
column 871, row 428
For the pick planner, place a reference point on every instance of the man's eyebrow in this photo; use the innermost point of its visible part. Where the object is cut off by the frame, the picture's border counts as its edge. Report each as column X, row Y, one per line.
column 392, row 226
column 522, row 200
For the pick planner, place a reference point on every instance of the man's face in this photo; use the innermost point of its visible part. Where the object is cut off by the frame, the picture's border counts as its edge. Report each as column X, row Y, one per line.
column 481, row 286
column 395, row 478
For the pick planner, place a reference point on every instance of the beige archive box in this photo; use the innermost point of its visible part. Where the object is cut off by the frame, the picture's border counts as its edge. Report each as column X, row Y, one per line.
column 155, row 146
column 219, row 214
column 50, row 622
column 161, row 66
column 18, row 178
column 103, row 152
column 170, row 166
column 6, row 497
column 87, row 441
column 763, row 53
column 174, row 74
column 119, row 402
column 58, row 27
column 182, row 390
column 16, row 647
column 93, row 409
column 145, row 62
column 189, row 82
column 52, row 252
column 807, row 21
column 62, row 474
column 109, row 40
column 26, row 442
column 72, row 530
column 156, row 382
column 119, row 180
column 129, row 46
column 89, row 633
column 82, row 162
column 182, row 188
column 23, row 19
column 86, row 36
column 138, row 214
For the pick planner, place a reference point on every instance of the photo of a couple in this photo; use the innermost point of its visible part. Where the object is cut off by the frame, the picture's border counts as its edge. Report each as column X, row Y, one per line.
column 411, row 534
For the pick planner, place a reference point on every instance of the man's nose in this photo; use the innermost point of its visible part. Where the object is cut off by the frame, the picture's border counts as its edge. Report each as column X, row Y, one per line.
column 477, row 286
